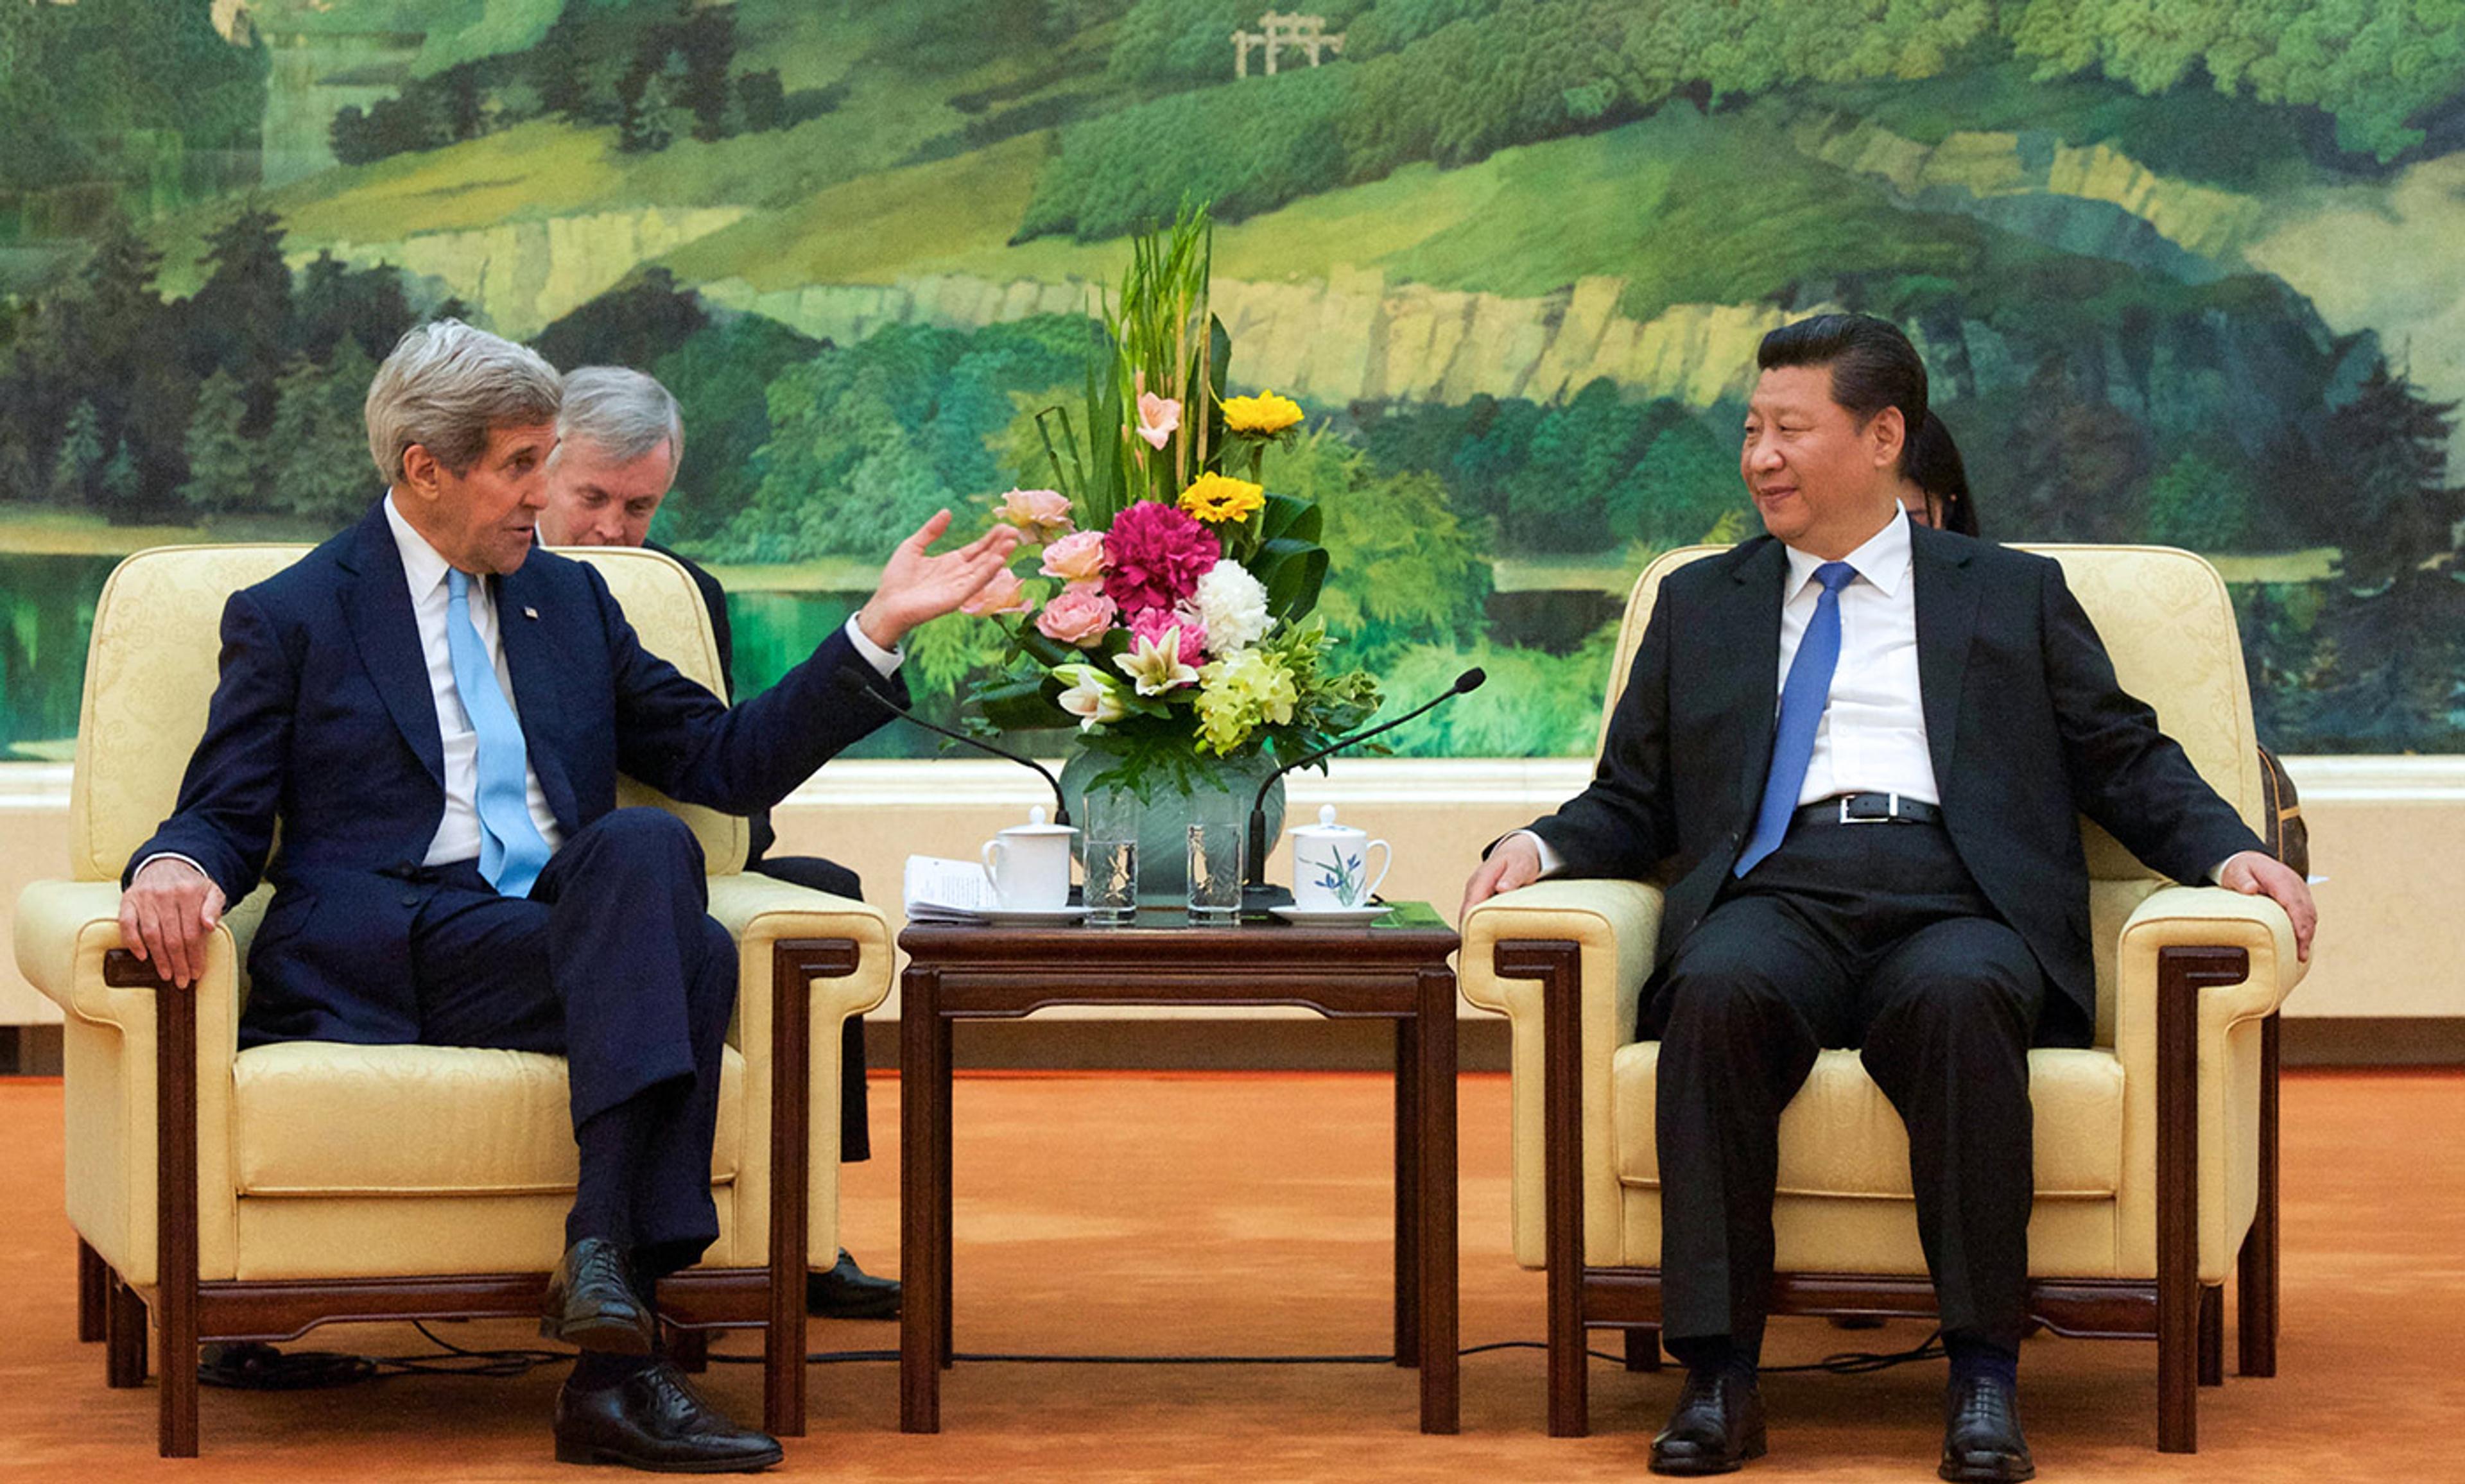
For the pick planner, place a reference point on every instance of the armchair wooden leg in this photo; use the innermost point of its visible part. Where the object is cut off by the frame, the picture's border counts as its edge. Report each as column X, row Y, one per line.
column 689, row 1349
column 124, row 1353
column 2181, row 973
column 2213, row 1335
column 1558, row 966
column 94, row 1277
column 794, row 964
column 1642, row 1349
column 2256, row 1283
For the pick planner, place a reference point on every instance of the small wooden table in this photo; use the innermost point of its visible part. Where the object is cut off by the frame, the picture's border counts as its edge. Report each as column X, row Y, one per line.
column 1395, row 970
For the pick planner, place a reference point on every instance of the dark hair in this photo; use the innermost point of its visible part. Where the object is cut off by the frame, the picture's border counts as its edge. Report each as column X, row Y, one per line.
column 1873, row 366
column 1932, row 463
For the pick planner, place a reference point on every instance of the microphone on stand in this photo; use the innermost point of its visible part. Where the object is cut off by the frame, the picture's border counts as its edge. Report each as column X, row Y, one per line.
column 1256, row 890
column 851, row 681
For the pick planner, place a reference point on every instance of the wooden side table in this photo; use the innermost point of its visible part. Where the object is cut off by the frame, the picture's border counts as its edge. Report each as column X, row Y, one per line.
column 1396, row 971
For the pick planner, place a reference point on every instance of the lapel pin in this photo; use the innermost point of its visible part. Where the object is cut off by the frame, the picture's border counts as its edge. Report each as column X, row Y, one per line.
column 530, row 612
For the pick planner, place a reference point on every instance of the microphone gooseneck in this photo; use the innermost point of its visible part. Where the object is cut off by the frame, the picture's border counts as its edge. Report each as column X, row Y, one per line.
column 1469, row 681
column 851, row 681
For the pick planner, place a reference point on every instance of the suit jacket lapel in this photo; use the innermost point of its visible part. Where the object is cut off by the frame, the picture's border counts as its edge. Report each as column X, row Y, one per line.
column 1947, row 603
column 531, row 660
column 1744, row 649
column 377, row 606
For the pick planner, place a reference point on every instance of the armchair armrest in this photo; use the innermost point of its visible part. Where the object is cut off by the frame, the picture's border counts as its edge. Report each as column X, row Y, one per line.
column 842, row 948
column 134, row 1103
column 1610, row 930
column 2196, row 971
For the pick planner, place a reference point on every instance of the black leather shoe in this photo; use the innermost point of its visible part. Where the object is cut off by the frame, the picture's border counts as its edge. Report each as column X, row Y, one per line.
column 1716, row 1426
column 1981, row 1433
column 591, row 1301
column 847, row 1291
column 653, row 1420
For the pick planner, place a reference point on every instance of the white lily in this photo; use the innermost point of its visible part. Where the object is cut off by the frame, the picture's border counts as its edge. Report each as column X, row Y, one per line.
column 1094, row 696
column 1154, row 665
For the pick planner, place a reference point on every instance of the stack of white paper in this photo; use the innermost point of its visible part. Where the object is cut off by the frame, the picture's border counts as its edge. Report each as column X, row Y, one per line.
column 939, row 890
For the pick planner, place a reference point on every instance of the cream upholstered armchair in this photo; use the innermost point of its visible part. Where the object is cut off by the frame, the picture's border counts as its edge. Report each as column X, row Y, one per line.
column 2156, row 1148
column 254, row 1195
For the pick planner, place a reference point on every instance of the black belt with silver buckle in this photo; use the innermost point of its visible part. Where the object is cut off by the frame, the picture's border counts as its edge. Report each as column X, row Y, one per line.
column 1868, row 808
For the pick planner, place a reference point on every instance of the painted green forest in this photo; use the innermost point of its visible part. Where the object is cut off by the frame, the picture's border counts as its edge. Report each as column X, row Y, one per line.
column 2183, row 273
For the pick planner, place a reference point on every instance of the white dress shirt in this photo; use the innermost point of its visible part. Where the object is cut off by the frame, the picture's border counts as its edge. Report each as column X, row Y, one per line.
column 457, row 832
column 1872, row 735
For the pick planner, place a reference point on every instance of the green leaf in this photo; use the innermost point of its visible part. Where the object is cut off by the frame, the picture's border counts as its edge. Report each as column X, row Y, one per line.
column 1019, row 705
column 1044, row 649
column 1284, row 518
column 1292, row 572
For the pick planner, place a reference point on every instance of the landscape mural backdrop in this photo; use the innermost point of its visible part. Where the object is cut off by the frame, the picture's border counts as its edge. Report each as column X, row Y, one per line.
column 2184, row 272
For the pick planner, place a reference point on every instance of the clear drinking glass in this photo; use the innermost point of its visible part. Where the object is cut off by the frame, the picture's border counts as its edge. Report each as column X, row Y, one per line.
column 1218, row 821
column 1112, row 857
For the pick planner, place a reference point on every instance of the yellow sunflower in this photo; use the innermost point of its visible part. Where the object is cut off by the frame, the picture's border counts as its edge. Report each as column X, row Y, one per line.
column 1218, row 498
column 1263, row 416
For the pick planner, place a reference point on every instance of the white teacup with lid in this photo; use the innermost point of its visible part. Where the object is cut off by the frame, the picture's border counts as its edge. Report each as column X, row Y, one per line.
column 1328, row 865
column 1028, row 865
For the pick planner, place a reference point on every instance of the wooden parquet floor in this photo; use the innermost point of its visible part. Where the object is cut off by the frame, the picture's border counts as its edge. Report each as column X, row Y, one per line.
column 1249, row 1214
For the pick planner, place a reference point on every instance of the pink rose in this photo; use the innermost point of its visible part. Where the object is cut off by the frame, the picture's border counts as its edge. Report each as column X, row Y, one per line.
column 1079, row 614
column 1152, row 623
column 1077, row 558
column 1040, row 514
column 1004, row 593
column 1158, row 418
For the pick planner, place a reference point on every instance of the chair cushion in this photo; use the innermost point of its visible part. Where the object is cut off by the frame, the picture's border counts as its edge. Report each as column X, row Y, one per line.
column 1841, row 1137
column 324, row 1118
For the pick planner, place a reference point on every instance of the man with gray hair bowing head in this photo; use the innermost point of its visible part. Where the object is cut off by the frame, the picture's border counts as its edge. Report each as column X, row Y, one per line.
column 435, row 713
column 620, row 440
column 1805, row 684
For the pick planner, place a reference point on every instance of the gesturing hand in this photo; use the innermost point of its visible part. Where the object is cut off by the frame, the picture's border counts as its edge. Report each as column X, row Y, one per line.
column 2256, row 875
column 166, row 916
column 1513, row 863
column 916, row 587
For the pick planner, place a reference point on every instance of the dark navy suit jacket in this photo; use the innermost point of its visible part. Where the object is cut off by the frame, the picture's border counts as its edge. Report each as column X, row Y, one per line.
column 323, row 722
column 2027, row 727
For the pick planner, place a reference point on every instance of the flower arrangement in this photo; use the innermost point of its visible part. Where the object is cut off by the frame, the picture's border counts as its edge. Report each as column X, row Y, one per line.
column 1164, row 605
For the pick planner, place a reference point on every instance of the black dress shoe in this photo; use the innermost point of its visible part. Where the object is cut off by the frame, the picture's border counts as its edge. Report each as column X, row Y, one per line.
column 1716, row 1426
column 847, row 1291
column 591, row 1301
column 1981, row 1433
column 653, row 1420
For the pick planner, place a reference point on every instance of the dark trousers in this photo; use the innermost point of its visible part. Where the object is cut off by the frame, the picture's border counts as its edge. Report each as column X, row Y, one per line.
column 613, row 964
column 855, row 1118
column 1869, row 936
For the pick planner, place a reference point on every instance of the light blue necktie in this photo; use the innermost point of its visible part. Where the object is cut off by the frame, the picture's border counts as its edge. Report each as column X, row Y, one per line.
column 512, row 852
column 1801, row 699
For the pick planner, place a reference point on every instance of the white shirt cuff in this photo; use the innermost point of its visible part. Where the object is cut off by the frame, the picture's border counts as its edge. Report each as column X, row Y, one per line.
column 1551, row 862
column 884, row 662
column 167, row 855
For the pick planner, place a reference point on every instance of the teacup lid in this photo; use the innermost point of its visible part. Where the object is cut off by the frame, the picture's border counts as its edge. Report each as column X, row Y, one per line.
column 1036, row 825
column 1325, row 825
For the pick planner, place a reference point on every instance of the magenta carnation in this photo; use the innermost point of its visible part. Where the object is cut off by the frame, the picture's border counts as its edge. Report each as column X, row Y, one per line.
column 1159, row 553
column 1150, row 626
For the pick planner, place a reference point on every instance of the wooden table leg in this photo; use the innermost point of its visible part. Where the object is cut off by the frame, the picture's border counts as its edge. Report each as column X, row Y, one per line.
column 923, row 1078
column 1436, row 1074
column 1407, row 1198
column 945, row 1179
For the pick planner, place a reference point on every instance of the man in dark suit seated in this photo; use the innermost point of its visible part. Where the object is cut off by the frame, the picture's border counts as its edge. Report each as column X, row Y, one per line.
column 620, row 440
column 1879, row 850
column 435, row 713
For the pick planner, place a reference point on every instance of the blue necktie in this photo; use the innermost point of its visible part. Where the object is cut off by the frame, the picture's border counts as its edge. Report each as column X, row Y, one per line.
column 1801, row 699
column 512, row 852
